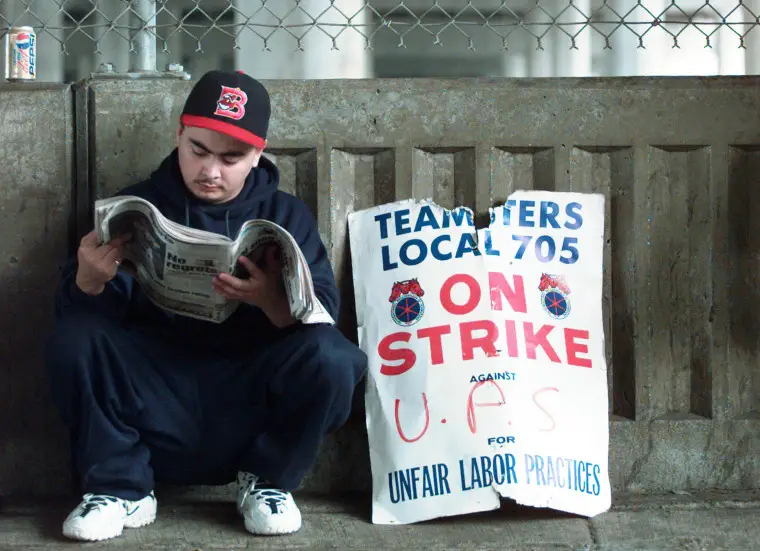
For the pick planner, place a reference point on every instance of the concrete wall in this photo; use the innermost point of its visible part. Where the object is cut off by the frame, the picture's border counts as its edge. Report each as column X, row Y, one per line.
column 677, row 159
column 36, row 156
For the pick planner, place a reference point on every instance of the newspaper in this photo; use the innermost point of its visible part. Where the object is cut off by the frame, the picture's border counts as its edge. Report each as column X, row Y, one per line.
column 175, row 264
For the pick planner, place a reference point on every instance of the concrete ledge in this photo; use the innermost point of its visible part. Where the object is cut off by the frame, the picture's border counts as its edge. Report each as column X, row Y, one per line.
column 668, row 153
column 677, row 522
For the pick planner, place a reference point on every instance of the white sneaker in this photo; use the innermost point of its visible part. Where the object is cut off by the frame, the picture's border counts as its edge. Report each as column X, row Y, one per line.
column 266, row 511
column 101, row 517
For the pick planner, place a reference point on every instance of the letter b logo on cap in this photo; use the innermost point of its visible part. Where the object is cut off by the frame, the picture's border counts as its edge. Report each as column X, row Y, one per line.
column 231, row 103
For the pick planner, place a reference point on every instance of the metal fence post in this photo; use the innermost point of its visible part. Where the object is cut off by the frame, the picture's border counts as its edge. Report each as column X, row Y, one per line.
column 143, row 58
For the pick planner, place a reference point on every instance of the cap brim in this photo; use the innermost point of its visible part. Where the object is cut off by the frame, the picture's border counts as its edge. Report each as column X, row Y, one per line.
column 224, row 128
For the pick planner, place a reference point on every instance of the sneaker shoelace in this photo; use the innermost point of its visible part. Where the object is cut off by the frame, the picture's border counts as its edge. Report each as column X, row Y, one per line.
column 93, row 502
column 266, row 493
column 246, row 482
column 273, row 497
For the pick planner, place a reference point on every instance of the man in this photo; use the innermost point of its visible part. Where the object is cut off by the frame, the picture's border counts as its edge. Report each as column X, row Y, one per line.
column 154, row 397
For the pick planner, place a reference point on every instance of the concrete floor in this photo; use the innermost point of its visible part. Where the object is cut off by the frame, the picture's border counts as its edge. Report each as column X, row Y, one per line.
column 709, row 522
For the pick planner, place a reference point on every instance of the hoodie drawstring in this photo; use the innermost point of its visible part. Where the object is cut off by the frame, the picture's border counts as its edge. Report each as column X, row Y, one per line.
column 226, row 218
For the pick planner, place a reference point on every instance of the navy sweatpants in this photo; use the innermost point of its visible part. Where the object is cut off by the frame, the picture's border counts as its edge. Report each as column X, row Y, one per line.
column 144, row 408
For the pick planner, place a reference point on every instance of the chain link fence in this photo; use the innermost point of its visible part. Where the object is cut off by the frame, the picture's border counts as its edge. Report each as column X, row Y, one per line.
column 150, row 30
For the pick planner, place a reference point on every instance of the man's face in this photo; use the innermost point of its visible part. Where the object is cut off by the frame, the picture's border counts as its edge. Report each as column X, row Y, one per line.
column 214, row 166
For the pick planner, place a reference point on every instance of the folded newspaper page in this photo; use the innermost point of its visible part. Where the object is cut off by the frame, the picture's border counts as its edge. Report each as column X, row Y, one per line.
column 175, row 264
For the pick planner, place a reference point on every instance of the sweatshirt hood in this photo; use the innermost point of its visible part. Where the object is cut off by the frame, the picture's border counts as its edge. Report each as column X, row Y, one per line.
column 226, row 218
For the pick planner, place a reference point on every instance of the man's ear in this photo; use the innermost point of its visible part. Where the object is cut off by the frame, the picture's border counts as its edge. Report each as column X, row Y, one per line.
column 258, row 154
column 180, row 129
column 257, row 157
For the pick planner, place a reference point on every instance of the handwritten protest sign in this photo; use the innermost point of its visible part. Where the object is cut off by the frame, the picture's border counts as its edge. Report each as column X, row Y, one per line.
column 486, row 347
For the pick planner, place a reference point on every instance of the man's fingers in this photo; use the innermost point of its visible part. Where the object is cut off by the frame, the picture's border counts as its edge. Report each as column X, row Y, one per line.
column 120, row 240
column 229, row 295
column 114, row 244
column 232, row 282
column 105, row 250
column 112, row 257
column 226, row 291
column 117, row 242
column 274, row 259
column 254, row 270
column 91, row 240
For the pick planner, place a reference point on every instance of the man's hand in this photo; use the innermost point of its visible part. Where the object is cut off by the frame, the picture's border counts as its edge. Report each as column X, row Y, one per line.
column 263, row 288
column 98, row 262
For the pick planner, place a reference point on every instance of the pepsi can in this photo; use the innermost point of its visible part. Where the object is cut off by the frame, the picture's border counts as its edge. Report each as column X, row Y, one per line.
column 21, row 54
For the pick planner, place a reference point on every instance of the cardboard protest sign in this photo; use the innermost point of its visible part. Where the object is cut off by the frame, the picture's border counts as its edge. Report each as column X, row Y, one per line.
column 487, row 372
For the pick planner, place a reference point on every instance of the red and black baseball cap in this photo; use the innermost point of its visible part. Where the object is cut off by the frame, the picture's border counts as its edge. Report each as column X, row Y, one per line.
column 231, row 103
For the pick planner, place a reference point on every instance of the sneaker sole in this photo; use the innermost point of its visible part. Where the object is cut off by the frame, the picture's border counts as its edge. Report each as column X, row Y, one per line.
column 135, row 521
column 140, row 518
column 89, row 535
column 271, row 530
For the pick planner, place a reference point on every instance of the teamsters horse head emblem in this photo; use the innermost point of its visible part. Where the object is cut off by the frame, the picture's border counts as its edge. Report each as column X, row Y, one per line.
column 554, row 293
column 407, row 307
column 231, row 103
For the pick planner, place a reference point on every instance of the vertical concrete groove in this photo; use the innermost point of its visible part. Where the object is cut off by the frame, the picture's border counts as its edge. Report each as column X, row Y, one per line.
column 740, row 384
column 561, row 179
column 700, row 228
column 644, row 371
column 83, row 144
column 445, row 175
column 680, row 179
column 719, row 316
column 609, row 171
column 404, row 167
column 516, row 168
column 483, row 196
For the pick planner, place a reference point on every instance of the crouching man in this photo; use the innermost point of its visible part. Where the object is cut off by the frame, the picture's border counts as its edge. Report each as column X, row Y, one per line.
column 153, row 397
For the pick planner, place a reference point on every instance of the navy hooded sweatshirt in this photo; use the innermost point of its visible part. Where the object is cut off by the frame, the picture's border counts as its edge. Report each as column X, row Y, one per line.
column 260, row 197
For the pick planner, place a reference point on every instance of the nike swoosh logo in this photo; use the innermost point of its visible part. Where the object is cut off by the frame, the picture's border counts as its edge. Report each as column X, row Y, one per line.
column 130, row 513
